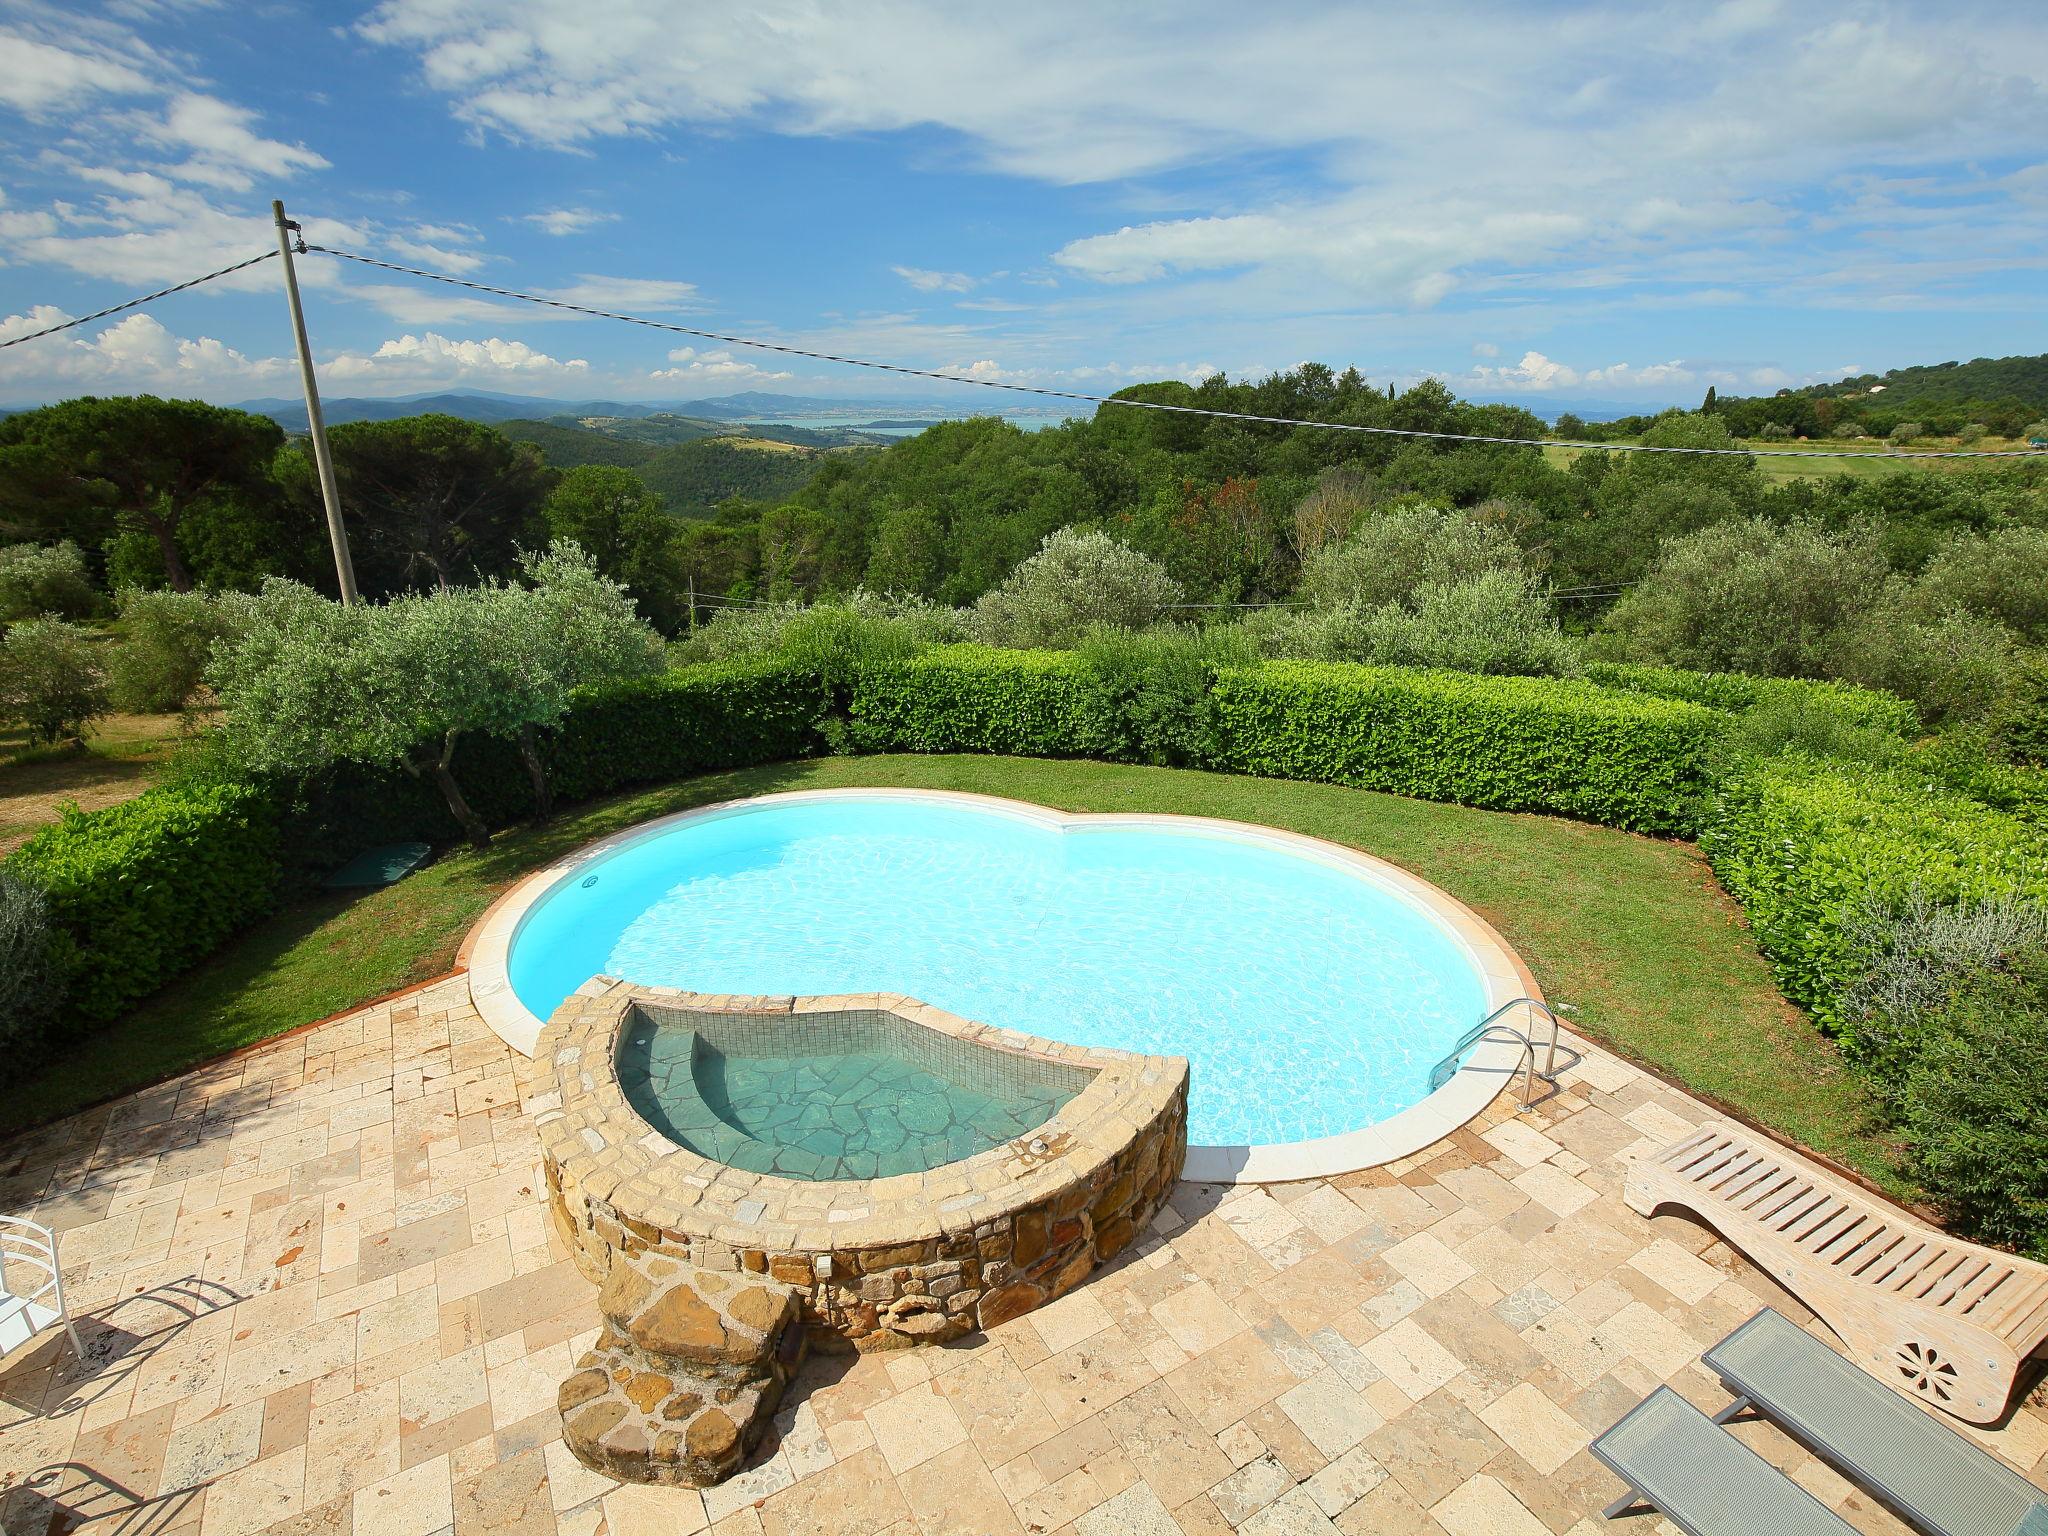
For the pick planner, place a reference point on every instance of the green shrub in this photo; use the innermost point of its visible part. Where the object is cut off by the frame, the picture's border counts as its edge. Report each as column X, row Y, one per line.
column 2001, row 575
column 1080, row 580
column 694, row 719
column 1497, row 622
column 141, row 890
column 1391, row 555
column 1804, row 844
column 1960, row 668
column 1806, row 726
column 50, row 679
column 1160, row 683
column 1964, row 761
column 1975, row 1107
column 166, row 638
column 836, row 638
column 39, row 580
column 1520, row 744
column 1748, row 596
column 29, row 986
column 1909, row 957
column 729, row 714
column 975, row 698
column 1857, row 708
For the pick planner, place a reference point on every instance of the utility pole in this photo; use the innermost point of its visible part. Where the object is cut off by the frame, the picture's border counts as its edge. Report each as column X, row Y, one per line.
column 323, row 461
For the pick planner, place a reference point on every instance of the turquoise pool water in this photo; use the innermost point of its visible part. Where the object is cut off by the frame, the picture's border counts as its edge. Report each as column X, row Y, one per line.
column 1309, row 1000
column 858, row 1095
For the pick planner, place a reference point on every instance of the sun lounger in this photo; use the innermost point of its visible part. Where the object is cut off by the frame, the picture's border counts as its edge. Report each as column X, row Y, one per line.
column 1948, row 1321
column 1702, row 1479
column 1929, row 1474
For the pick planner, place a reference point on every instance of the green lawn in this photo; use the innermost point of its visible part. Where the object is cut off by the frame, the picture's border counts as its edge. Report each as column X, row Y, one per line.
column 1632, row 931
column 1870, row 457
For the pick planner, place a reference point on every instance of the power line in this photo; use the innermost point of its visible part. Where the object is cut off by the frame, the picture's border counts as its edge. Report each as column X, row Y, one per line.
column 161, row 293
column 1148, row 405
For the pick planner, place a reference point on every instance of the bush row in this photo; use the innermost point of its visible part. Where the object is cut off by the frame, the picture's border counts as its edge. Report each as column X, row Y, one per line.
column 695, row 719
column 1503, row 743
column 139, row 891
column 1802, row 844
column 1738, row 693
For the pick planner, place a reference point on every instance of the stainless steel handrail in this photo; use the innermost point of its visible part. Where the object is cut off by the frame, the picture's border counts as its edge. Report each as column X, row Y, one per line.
column 1490, row 1028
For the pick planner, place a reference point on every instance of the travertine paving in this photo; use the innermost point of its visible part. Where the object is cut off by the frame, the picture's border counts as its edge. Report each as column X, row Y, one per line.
column 323, row 1300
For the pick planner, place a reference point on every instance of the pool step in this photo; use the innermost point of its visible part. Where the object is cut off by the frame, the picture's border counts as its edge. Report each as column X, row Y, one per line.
column 683, row 1381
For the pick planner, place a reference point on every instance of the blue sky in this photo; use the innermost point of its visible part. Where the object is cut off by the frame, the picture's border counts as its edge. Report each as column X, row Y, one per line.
column 1541, row 202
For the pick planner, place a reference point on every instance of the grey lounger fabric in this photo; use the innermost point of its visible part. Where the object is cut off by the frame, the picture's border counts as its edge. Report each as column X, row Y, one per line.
column 1704, row 1480
column 1931, row 1475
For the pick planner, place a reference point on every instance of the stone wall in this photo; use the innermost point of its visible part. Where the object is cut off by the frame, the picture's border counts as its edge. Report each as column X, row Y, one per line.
column 874, row 1263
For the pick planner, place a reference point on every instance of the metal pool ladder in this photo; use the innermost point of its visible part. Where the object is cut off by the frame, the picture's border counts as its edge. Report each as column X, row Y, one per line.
column 1491, row 1028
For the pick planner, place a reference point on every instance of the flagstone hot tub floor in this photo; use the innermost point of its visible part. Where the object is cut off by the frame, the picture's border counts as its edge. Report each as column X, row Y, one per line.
column 322, row 1300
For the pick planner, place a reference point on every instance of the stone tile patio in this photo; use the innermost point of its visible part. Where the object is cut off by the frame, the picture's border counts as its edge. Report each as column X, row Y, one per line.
column 323, row 1300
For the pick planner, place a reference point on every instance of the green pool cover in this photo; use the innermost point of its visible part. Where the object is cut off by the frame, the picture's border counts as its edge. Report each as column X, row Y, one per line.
column 378, row 866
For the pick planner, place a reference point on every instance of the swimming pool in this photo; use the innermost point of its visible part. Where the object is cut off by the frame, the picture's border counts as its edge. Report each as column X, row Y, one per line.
column 1311, row 989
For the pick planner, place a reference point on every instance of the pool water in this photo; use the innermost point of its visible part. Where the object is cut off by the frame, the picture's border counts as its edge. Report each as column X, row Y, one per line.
column 752, row 1096
column 1309, row 998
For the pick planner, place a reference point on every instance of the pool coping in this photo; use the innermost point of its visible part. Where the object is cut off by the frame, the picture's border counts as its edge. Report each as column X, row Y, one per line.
column 1488, row 1067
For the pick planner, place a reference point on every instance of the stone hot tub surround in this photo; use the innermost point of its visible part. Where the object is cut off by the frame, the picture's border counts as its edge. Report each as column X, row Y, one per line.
column 873, row 1263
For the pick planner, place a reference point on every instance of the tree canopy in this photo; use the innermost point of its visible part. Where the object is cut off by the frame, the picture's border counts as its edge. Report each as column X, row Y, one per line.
column 90, row 468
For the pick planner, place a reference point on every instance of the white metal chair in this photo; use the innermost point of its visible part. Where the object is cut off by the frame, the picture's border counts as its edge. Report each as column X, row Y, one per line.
column 26, row 1309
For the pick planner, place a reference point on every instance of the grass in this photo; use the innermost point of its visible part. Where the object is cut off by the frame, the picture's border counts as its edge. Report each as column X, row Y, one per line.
column 116, row 762
column 1871, row 457
column 1632, row 931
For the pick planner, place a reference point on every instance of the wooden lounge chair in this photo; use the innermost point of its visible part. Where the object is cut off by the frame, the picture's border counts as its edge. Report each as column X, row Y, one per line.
column 1933, row 1477
column 1702, row 1479
column 1928, row 1314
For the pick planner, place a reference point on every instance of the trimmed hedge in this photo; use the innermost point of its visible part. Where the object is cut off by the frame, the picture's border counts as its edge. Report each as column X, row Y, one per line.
column 1502, row 743
column 696, row 719
column 1803, row 843
column 139, row 891
column 1737, row 693
column 977, row 698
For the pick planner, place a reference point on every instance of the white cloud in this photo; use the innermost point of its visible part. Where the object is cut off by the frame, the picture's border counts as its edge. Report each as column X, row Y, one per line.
column 626, row 293
column 925, row 281
column 38, row 77
column 1537, row 374
column 437, row 357
column 135, row 353
column 225, row 150
column 720, row 367
column 430, row 255
column 567, row 221
column 1595, row 144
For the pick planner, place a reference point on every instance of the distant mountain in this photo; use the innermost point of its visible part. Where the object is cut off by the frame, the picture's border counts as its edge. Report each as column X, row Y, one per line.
column 470, row 405
column 492, row 407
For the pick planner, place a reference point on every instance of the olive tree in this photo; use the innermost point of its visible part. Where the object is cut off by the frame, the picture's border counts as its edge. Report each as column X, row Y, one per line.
column 571, row 628
column 165, row 639
column 1078, row 580
column 44, row 579
column 308, row 682
column 1747, row 596
column 1393, row 554
column 50, row 679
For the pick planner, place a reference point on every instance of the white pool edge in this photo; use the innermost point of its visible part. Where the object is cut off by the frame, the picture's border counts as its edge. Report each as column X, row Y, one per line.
column 1488, row 1068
